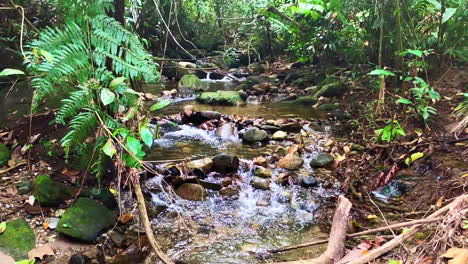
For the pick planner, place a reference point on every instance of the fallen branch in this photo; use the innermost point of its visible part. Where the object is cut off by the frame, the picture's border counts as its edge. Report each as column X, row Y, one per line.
column 308, row 244
column 13, row 167
column 335, row 249
column 146, row 222
column 373, row 254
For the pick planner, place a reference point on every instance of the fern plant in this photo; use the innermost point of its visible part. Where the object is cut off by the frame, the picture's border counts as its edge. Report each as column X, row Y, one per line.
column 94, row 60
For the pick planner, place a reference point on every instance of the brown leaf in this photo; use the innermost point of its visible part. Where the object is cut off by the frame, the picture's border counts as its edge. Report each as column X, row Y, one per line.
column 40, row 252
column 357, row 252
column 293, row 149
column 440, row 201
column 34, row 210
column 125, row 218
column 44, row 164
column 11, row 190
column 457, row 255
column 70, row 173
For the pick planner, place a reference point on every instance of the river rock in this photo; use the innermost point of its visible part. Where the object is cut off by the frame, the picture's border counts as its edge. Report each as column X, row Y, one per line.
column 50, row 192
column 4, row 154
column 322, row 160
column 307, row 180
column 210, row 115
column 191, row 191
column 85, row 220
column 281, row 150
column 270, row 128
column 252, row 99
column 17, row 239
column 103, row 195
column 291, row 77
column 263, row 172
column 225, row 164
column 294, row 127
column 204, row 164
column 253, row 80
column 229, row 192
column 189, row 84
column 291, row 162
column 279, row 135
column 220, row 98
column 260, row 183
column 185, row 67
column 227, row 130
column 333, row 89
column 260, row 161
column 305, row 100
column 254, row 134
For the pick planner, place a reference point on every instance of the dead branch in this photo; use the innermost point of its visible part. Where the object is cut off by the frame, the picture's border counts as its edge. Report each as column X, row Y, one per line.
column 335, row 247
column 399, row 225
column 13, row 167
column 459, row 201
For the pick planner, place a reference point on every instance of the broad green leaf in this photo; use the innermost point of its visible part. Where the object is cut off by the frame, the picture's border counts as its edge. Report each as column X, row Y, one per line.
column 134, row 146
column 146, row 136
column 403, row 101
column 449, row 12
column 2, row 227
column 109, row 148
column 26, row 261
column 8, row 72
column 414, row 157
column 107, row 96
column 381, row 72
column 417, row 53
column 117, row 82
column 160, row 105
column 48, row 56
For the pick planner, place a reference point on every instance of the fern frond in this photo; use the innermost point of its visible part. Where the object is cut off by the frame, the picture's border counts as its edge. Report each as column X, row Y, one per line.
column 81, row 127
column 72, row 105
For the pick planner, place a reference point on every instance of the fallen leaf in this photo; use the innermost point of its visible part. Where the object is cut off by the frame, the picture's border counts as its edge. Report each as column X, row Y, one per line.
column 114, row 192
column 357, row 252
column 414, row 157
column 293, row 149
column 34, row 210
column 31, row 200
column 457, row 255
column 346, row 149
column 70, row 173
column 2, row 227
column 11, row 190
column 372, row 216
column 44, row 164
column 40, row 252
column 45, row 225
column 439, row 201
column 125, row 218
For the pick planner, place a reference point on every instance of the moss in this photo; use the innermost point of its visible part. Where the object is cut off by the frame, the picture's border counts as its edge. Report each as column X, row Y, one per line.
column 305, row 100
column 85, row 219
column 50, row 192
column 220, row 98
column 190, row 81
column 327, row 107
column 18, row 239
column 4, row 154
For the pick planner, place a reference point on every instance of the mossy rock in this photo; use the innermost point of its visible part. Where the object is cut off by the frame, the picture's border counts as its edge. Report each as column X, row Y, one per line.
column 327, row 107
column 190, row 82
column 17, row 240
column 50, row 192
column 220, row 98
column 305, row 100
column 103, row 195
column 85, row 220
column 4, row 154
column 322, row 160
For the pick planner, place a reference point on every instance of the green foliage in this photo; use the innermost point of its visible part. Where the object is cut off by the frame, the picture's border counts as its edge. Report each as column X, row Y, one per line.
column 9, row 72
column 390, row 132
column 423, row 95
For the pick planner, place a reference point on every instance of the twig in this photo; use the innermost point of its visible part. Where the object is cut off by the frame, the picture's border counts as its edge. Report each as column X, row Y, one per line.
column 12, row 168
column 11, row 88
column 309, row 244
column 399, row 225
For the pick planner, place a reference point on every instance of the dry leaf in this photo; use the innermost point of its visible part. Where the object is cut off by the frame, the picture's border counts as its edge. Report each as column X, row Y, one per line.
column 45, row 225
column 439, row 201
column 40, row 252
column 357, row 252
column 457, row 255
column 70, row 173
column 293, row 149
column 44, row 164
column 125, row 218
column 11, row 190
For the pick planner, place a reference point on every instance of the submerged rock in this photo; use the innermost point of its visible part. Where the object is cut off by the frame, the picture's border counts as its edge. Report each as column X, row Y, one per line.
column 263, row 172
column 291, row 162
column 17, row 239
column 322, row 160
column 279, row 135
column 192, row 192
column 225, row 164
column 204, row 164
column 260, row 183
column 4, row 154
column 85, row 220
column 220, row 98
column 254, row 134
column 50, row 192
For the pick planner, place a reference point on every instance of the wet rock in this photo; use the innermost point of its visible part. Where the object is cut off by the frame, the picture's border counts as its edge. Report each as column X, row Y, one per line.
column 279, row 135
column 294, row 127
column 118, row 239
column 220, row 98
column 4, row 154
column 17, row 239
column 85, row 220
column 270, row 128
column 281, row 150
column 185, row 67
column 225, row 164
column 260, row 183
column 24, row 187
column 257, row 67
column 327, row 107
column 79, row 258
column 263, row 172
column 229, row 192
column 210, row 115
column 210, row 185
column 50, row 192
column 260, row 161
column 192, row 192
column 273, row 90
column 307, row 181
column 322, row 160
column 298, row 139
column 333, row 89
column 253, row 80
column 204, row 164
column 252, row 99
column 261, row 88
column 189, row 84
column 53, row 222
column 291, row 77
column 306, row 100
column 254, row 134
column 291, row 162
column 103, row 195
column 226, row 131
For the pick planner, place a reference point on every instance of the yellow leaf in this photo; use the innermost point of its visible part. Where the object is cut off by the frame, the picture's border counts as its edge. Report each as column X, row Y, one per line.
column 372, row 216
column 465, row 175
column 439, row 201
column 414, row 157
column 457, row 255
column 114, row 192
column 2, row 227
column 45, row 225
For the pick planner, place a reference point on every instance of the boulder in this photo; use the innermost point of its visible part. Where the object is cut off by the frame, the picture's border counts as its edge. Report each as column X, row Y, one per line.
column 220, row 98
column 17, row 239
column 225, row 164
column 294, row 127
column 229, row 192
column 103, row 195
column 322, row 160
column 191, row 191
column 253, row 135
column 189, row 84
column 50, row 192
column 210, row 115
column 4, row 154
column 263, row 172
column 279, row 135
column 291, row 162
column 85, row 220
column 260, row 183
column 204, row 164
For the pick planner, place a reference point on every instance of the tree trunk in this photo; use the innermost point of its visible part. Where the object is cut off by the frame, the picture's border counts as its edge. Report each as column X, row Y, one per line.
column 119, row 13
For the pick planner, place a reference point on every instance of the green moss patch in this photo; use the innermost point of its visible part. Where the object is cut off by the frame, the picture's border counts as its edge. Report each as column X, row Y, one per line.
column 50, row 192
column 17, row 240
column 220, row 98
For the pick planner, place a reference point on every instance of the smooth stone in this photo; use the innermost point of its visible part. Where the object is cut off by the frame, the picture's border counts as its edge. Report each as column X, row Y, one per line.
column 260, row 183
column 254, row 134
column 322, row 160
column 50, row 192
column 308, row 181
column 191, row 191
column 211, row 115
column 263, row 172
column 53, row 222
column 279, row 135
column 117, row 238
column 103, row 195
column 291, row 127
column 204, row 164
column 270, row 128
column 85, row 220
column 17, row 239
column 281, row 150
column 229, row 192
column 291, row 162
column 225, row 164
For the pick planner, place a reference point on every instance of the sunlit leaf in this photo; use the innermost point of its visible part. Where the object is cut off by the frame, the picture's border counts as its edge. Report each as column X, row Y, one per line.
column 9, row 72
column 403, row 101
column 160, row 105
column 109, row 148
column 117, row 82
column 414, row 157
column 381, row 72
column 449, row 12
column 107, row 96
column 47, row 55
column 2, row 227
